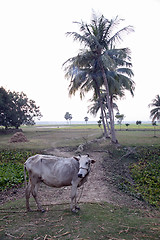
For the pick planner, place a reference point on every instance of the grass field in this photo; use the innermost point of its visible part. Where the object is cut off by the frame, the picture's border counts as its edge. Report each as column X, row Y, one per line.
column 42, row 137
column 94, row 221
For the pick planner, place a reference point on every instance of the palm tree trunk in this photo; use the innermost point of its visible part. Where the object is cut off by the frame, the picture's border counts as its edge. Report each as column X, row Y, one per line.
column 110, row 110
column 107, row 122
column 102, row 111
column 103, row 120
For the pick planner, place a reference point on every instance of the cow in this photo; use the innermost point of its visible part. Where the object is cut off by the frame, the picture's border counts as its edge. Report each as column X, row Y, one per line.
column 56, row 172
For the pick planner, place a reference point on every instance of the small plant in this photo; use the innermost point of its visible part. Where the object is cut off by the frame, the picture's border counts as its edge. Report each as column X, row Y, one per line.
column 11, row 168
column 146, row 174
column 11, row 175
column 127, row 125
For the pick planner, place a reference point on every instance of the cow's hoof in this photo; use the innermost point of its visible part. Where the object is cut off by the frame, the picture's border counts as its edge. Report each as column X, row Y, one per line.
column 77, row 208
column 42, row 210
column 29, row 210
column 74, row 211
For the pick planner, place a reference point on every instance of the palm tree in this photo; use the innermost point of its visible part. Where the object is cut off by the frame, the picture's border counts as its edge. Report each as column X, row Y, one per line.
column 86, row 119
column 94, row 65
column 94, row 108
column 67, row 116
column 101, row 104
column 155, row 112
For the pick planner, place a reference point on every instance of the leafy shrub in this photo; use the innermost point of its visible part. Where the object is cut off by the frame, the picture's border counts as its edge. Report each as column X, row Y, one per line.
column 14, row 155
column 11, row 175
column 11, row 168
column 146, row 175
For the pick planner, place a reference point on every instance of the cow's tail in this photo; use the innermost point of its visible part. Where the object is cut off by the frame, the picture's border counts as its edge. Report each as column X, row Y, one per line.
column 25, row 177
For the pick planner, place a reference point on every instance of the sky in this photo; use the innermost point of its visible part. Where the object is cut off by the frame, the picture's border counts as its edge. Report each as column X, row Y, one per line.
column 34, row 45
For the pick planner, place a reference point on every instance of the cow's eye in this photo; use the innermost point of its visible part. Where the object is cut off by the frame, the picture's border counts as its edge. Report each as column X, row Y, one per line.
column 86, row 163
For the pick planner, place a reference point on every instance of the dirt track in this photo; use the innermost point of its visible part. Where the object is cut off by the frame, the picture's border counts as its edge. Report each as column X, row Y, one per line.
column 98, row 188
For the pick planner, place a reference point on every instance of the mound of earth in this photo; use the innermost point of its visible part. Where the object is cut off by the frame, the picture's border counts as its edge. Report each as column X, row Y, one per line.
column 18, row 137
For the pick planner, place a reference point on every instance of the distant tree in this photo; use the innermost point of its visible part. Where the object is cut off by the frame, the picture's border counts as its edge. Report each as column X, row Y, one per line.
column 86, row 119
column 154, row 125
column 66, row 116
column 5, row 108
column 99, row 123
column 120, row 118
column 155, row 112
column 127, row 125
column 16, row 109
column 138, row 122
column 70, row 117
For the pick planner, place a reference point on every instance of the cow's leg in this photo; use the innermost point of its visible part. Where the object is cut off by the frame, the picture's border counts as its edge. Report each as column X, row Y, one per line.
column 74, row 206
column 34, row 191
column 27, row 194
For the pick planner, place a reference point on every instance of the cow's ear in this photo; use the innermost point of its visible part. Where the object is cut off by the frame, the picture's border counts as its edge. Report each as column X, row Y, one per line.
column 77, row 158
column 93, row 161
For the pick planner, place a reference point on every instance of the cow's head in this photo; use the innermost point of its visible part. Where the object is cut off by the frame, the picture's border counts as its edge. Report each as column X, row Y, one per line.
column 84, row 165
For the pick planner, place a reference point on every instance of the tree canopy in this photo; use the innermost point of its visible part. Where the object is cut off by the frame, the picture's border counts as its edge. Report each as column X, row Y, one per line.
column 100, row 64
column 16, row 109
column 155, row 111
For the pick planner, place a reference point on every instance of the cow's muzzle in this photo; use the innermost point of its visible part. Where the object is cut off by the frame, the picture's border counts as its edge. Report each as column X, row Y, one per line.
column 83, row 172
column 80, row 175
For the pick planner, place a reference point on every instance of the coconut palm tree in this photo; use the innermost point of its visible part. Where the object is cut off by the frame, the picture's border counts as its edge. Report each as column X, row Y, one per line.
column 155, row 112
column 101, row 104
column 86, row 119
column 97, row 105
column 91, row 67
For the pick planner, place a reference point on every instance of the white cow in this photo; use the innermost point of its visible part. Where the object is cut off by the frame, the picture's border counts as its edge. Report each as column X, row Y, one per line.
column 56, row 172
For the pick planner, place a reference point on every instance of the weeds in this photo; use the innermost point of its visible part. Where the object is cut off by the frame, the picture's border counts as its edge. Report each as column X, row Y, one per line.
column 146, row 175
column 11, row 168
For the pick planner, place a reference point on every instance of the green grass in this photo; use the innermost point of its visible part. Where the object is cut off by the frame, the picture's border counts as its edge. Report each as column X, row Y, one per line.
column 94, row 221
column 73, row 135
column 48, row 138
column 138, row 138
column 137, row 127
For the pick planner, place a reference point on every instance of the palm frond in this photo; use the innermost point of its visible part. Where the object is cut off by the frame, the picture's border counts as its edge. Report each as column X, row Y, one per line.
column 78, row 37
column 118, row 36
column 126, row 71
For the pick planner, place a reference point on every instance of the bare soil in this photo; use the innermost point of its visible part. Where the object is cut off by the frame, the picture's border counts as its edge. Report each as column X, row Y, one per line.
column 98, row 188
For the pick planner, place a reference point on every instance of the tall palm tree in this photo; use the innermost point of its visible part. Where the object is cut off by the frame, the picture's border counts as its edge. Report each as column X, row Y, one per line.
column 101, row 104
column 98, row 104
column 90, row 68
column 155, row 112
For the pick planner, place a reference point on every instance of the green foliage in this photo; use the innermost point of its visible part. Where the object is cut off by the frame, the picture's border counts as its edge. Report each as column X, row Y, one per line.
column 19, row 156
column 11, row 168
column 11, row 174
column 16, row 109
column 155, row 112
column 146, row 174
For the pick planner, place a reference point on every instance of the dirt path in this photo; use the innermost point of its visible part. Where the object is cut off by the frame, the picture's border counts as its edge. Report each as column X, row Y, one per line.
column 98, row 188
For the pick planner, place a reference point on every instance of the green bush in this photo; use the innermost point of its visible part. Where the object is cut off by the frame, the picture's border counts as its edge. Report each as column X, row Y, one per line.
column 11, row 175
column 146, row 175
column 11, row 168
column 14, row 156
